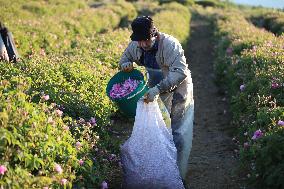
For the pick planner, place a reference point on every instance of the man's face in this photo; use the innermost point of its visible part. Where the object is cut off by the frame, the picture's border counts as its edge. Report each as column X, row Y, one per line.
column 146, row 44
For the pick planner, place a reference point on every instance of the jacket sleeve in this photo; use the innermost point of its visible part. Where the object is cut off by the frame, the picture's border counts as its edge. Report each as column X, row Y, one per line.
column 178, row 70
column 130, row 54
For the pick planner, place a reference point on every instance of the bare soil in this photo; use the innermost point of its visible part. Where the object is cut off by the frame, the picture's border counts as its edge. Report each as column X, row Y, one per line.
column 213, row 161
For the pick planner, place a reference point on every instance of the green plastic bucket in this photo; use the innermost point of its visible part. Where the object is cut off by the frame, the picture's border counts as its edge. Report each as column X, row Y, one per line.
column 128, row 104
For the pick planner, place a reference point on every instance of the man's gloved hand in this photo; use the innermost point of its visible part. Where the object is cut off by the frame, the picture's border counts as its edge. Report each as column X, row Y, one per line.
column 151, row 94
column 126, row 67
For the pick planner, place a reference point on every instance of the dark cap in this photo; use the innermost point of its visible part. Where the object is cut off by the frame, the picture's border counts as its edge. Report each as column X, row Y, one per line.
column 142, row 28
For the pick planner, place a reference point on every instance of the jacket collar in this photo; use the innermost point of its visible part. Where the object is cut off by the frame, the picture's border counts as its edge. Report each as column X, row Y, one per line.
column 154, row 48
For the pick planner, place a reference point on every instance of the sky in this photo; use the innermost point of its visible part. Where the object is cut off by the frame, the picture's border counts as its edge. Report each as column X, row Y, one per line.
column 264, row 3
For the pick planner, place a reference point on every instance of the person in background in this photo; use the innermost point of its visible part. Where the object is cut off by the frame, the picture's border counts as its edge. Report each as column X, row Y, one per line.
column 163, row 57
column 3, row 50
column 8, row 50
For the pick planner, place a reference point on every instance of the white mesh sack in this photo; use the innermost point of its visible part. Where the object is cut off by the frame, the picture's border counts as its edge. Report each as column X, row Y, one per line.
column 149, row 155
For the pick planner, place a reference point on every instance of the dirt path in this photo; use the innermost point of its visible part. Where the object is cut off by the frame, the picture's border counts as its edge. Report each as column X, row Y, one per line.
column 213, row 163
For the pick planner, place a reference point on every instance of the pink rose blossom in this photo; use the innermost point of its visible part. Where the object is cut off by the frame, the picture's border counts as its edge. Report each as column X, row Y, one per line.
column 121, row 90
column 66, row 128
column 81, row 162
column 81, row 121
column 45, row 97
column 63, row 181
column 93, row 121
column 3, row 169
column 242, row 87
column 254, row 48
column 50, row 120
column 274, row 85
column 112, row 157
column 58, row 168
column 104, row 185
column 25, row 113
column 281, row 123
column 59, row 112
column 42, row 52
column 229, row 51
column 257, row 134
column 78, row 145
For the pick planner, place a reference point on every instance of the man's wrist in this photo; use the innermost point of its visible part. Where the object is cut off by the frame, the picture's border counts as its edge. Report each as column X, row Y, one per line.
column 157, row 90
column 158, row 87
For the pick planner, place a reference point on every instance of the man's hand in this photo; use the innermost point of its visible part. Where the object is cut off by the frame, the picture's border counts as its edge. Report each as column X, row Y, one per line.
column 151, row 94
column 126, row 67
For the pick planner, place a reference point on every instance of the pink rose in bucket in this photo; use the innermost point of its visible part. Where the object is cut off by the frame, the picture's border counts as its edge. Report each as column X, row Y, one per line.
column 121, row 90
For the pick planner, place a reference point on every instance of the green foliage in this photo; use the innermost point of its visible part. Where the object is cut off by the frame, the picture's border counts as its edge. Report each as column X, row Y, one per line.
column 70, row 49
column 210, row 3
column 269, row 163
column 33, row 140
column 36, row 26
column 271, row 20
column 250, row 65
column 184, row 2
column 168, row 16
column 147, row 7
column 63, row 56
column 75, row 82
